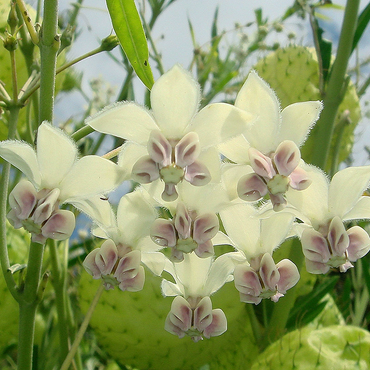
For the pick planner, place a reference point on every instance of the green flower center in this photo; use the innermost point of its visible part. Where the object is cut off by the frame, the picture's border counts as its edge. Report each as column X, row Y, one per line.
column 278, row 184
column 186, row 245
column 171, row 174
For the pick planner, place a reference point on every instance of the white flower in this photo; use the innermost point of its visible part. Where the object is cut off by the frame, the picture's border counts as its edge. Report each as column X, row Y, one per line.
column 118, row 260
column 57, row 177
column 323, row 208
column 196, row 279
column 256, row 275
column 173, row 141
column 271, row 142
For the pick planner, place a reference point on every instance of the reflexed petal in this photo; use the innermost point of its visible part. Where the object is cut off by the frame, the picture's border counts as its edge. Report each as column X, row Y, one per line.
column 135, row 216
column 90, row 266
column 299, row 179
column 225, row 121
column 259, row 99
column 297, row 119
column 170, row 289
column 181, row 313
column 134, row 284
column 289, row 275
column 261, row 164
column 126, row 120
column 107, row 257
column 89, row 176
column 159, row 148
column 203, row 314
column 145, row 170
column 205, row 227
column 274, row 231
column 183, row 221
column 163, row 233
column 128, row 266
column 218, row 325
column 220, row 272
column 56, row 154
column 154, row 261
column 197, row 174
column 22, row 156
column 236, row 149
column 315, row 248
column 174, row 98
column 359, row 243
column 287, row 157
column 251, row 187
column 22, row 199
column 187, row 150
column 338, row 237
column 247, row 281
column 346, row 188
column 269, row 272
column 59, row 226
column 361, row 210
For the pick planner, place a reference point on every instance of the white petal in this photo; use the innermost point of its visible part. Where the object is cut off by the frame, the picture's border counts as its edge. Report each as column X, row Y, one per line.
column 297, row 120
column 175, row 98
column 91, row 175
column 242, row 228
column 361, row 210
column 154, row 261
column 170, row 289
column 313, row 201
column 231, row 175
column 274, row 230
column 126, row 120
column 56, row 154
column 236, row 149
column 135, row 216
column 346, row 188
column 257, row 98
column 219, row 122
column 22, row 156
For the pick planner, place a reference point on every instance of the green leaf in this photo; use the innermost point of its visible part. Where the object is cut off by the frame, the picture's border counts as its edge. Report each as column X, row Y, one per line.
column 129, row 30
column 362, row 22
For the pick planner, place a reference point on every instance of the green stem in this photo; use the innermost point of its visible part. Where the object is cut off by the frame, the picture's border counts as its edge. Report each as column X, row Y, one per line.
column 280, row 313
column 335, row 88
column 4, row 185
column 59, row 283
column 256, row 327
column 49, row 45
column 83, row 328
column 28, row 305
column 82, row 132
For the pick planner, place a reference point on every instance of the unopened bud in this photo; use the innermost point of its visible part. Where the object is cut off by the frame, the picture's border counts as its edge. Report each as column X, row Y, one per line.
column 109, row 43
column 12, row 18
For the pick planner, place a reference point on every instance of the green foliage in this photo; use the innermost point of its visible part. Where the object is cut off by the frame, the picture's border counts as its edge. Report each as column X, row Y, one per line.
column 129, row 30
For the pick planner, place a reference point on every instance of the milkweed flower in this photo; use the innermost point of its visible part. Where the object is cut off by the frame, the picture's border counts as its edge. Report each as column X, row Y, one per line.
column 193, row 223
column 270, row 144
column 118, row 262
column 173, row 141
column 196, row 279
column 56, row 176
column 324, row 208
column 256, row 275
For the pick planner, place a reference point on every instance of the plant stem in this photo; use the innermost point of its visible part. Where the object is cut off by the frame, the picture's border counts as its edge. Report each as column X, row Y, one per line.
column 49, row 45
column 336, row 85
column 4, row 185
column 27, row 306
column 83, row 328
column 59, row 283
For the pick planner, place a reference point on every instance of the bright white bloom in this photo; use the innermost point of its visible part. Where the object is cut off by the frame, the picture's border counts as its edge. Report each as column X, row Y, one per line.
column 55, row 176
column 271, row 143
column 323, row 208
column 173, row 141
column 118, row 260
column 256, row 275
column 196, row 279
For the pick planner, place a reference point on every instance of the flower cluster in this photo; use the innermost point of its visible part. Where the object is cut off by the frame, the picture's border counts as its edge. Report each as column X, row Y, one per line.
column 239, row 164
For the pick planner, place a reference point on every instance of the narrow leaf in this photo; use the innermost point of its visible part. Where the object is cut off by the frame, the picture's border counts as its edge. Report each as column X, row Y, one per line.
column 129, row 30
column 362, row 22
